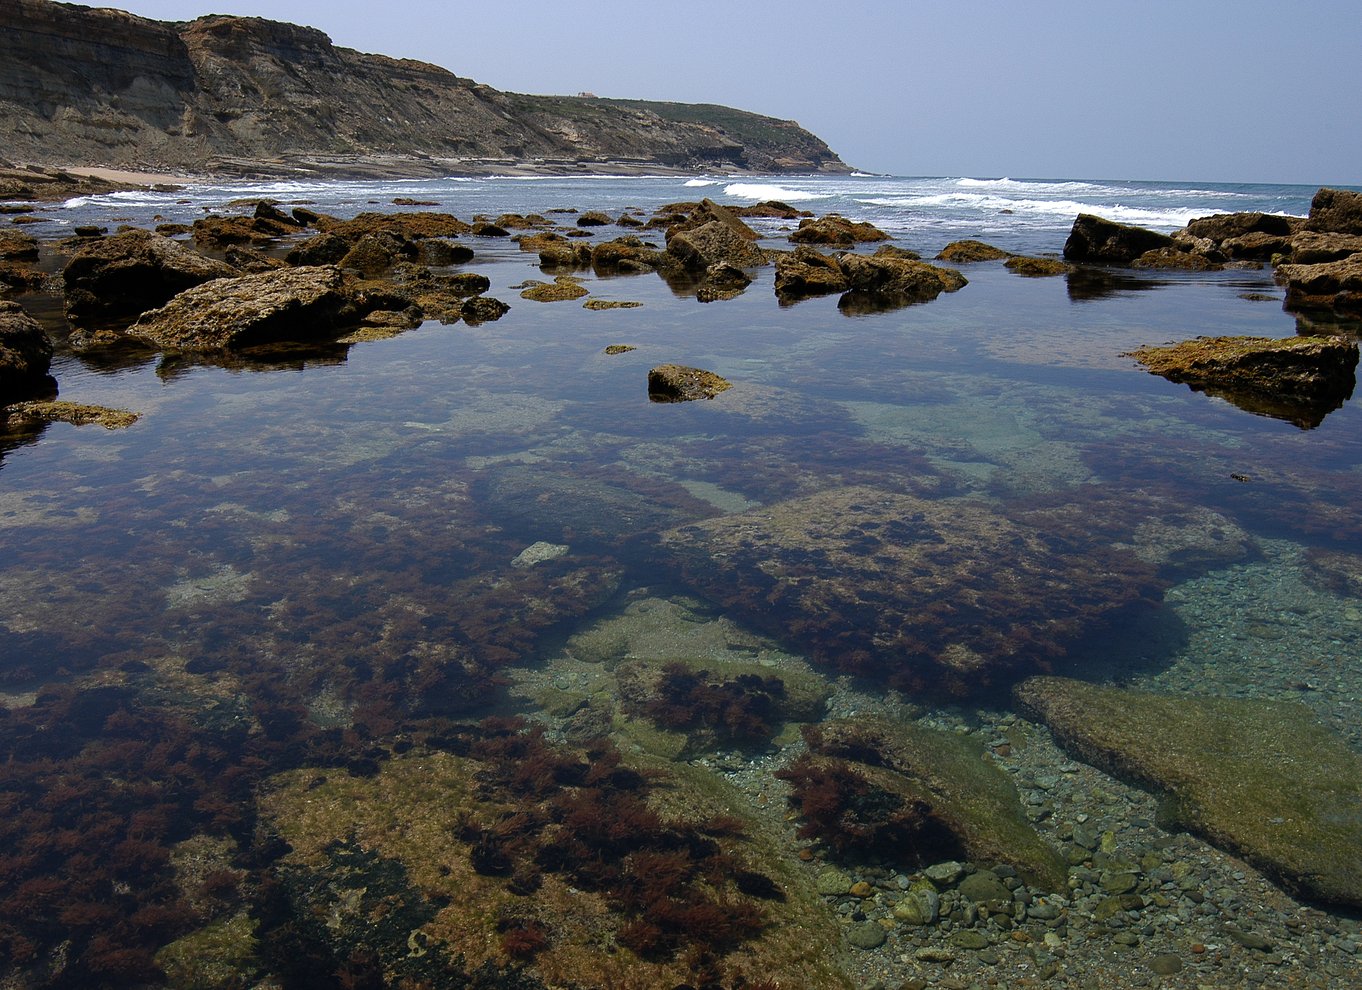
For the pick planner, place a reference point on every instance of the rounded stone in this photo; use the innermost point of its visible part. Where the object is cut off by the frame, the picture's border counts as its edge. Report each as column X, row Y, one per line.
column 1166, row 964
column 866, row 935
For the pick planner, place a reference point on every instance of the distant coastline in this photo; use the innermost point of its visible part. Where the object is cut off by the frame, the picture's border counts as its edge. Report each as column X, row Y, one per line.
column 247, row 97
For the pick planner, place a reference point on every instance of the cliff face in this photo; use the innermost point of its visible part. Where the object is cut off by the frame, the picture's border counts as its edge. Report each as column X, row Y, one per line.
column 84, row 86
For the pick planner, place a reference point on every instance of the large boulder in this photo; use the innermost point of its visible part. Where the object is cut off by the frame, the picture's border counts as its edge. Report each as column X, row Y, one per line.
column 1300, row 379
column 696, row 249
column 1224, row 226
column 1312, row 247
column 1334, row 286
column 1336, row 210
column 292, row 304
column 1107, row 242
column 116, row 279
column 623, row 256
column 1263, row 779
column 886, row 280
column 25, row 355
column 837, row 231
column 807, row 273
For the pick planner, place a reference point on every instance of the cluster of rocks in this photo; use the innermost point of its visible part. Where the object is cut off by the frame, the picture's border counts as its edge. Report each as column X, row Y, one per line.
column 1317, row 258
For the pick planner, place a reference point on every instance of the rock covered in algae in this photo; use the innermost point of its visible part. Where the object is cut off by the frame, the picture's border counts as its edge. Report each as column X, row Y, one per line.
column 1262, row 779
column 1299, row 378
column 929, row 593
column 679, row 383
column 434, row 867
column 75, row 413
column 970, row 250
column 293, row 304
column 964, row 803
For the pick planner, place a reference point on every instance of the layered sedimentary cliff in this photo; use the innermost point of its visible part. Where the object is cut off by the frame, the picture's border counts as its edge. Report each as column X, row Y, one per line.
column 85, row 86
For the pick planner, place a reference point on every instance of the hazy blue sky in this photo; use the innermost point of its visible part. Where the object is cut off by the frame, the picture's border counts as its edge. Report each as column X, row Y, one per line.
column 1247, row 90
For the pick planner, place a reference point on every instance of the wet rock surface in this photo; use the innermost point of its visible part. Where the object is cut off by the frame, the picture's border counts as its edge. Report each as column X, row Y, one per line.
column 1301, row 379
column 679, row 383
column 1262, row 779
column 25, row 354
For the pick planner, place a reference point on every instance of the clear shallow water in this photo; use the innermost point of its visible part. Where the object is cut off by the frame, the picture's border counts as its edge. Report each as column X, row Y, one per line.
column 333, row 540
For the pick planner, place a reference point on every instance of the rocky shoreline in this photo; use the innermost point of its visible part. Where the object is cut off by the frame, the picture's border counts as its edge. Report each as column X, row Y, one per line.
column 655, row 808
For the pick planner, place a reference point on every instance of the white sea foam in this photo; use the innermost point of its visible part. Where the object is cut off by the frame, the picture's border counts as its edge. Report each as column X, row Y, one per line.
column 702, row 182
column 1172, row 218
column 762, row 190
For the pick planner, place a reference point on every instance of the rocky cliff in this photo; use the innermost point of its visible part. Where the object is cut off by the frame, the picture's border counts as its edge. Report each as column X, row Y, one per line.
column 85, row 86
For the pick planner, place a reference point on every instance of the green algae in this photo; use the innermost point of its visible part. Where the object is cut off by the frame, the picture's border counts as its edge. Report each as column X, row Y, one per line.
column 1262, row 779
column 220, row 954
column 364, row 845
column 954, row 779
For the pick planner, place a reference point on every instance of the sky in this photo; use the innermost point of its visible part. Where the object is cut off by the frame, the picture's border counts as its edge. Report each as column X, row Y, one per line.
column 1242, row 91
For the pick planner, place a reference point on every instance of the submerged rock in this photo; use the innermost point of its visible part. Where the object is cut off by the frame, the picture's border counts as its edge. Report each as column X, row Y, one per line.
column 930, row 594
column 678, row 383
column 950, row 785
column 1261, row 779
column 75, row 413
column 1300, row 379
column 1105, row 241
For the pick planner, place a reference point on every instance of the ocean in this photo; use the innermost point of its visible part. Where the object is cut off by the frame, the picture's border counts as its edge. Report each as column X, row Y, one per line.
column 247, row 644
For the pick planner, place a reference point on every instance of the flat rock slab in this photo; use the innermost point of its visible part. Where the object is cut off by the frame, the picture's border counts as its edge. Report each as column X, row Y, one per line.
column 1262, row 779
column 1300, row 379
column 926, row 593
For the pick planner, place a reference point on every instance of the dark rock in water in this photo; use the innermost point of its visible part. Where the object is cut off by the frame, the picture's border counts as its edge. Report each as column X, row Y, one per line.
column 885, row 280
column 837, row 231
column 594, row 218
column 1334, row 286
column 946, row 778
column 1107, row 242
column 942, row 595
column 440, row 252
column 714, row 242
column 1336, row 210
column 292, row 304
column 807, row 273
column 25, row 355
column 116, row 279
column 375, row 253
column 678, row 383
column 1262, row 779
column 483, row 309
column 17, row 246
column 324, row 249
column 622, row 256
column 555, row 505
column 969, row 251
column 1300, row 379
column 772, row 209
column 1311, row 247
column 1036, row 267
column 1224, row 226
column 1174, row 257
